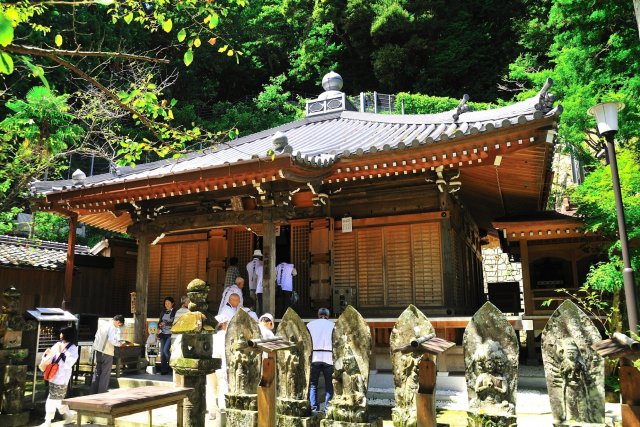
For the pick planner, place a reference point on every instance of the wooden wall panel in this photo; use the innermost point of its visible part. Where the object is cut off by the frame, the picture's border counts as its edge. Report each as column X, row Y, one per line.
column 300, row 233
column 398, row 266
column 427, row 264
column 371, row 289
column 241, row 247
column 344, row 260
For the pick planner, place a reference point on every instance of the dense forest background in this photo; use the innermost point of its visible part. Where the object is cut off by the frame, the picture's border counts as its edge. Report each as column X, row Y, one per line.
column 90, row 84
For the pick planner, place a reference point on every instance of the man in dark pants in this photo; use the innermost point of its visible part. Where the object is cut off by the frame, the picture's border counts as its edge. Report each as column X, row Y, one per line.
column 107, row 338
column 322, row 358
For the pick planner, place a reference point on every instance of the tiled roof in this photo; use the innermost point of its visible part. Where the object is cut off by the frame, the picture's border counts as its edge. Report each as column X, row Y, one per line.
column 321, row 140
column 18, row 252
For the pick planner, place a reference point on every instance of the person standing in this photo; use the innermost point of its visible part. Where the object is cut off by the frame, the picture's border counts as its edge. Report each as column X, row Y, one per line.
column 284, row 281
column 107, row 338
column 233, row 289
column 184, row 308
column 255, row 272
column 232, row 272
column 322, row 357
column 167, row 317
column 65, row 353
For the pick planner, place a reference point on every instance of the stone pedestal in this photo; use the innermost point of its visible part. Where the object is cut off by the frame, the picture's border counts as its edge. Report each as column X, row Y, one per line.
column 242, row 410
column 475, row 419
column 295, row 413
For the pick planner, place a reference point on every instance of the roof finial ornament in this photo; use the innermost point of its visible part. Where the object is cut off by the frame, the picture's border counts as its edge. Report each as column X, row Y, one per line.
column 78, row 177
column 279, row 141
column 545, row 99
column 462, row 107
column 332, row 81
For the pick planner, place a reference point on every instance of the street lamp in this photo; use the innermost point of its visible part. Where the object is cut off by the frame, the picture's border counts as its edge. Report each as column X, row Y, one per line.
column 606, row 114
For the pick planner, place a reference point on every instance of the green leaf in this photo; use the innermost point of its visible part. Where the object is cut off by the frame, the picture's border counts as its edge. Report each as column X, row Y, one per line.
column 6, row 30
column 167, row 25
column 6, row 63
column 128, row 18
column 188, row 57
column 182, row 34
column 197, row 42
column 223, row 48
column 104, row 2
column 58, row 40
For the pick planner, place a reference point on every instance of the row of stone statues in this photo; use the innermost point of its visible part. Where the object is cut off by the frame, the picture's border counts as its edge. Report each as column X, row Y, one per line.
column 574, row 372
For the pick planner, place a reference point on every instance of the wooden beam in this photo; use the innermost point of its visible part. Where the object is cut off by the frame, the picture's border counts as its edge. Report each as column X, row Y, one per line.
column 71, row 250
column 142, row 288
column 205, row 221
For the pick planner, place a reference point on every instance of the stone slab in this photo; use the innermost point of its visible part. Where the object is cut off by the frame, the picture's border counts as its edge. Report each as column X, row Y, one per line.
column 241, row 418
column 287, row 421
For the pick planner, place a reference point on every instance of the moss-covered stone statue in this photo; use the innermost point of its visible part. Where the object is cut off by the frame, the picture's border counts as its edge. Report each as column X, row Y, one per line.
column 573, row 370
column 293, row 371
column 13, row 374
column 491, row 368
column 243, row 370
column 351, row 352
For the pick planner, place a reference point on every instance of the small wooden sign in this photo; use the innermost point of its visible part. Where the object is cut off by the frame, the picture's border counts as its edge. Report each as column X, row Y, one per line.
column 347, row 224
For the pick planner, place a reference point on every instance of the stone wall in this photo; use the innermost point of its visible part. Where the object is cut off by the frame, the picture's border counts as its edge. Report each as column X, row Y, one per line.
column 497, row 268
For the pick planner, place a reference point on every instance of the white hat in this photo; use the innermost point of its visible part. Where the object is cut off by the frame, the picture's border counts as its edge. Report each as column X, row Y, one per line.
column 222, row 318
column 257, row 252
column 267, row 316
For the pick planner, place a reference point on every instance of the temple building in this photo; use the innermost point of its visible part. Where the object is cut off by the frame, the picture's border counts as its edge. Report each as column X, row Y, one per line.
column 374, row 210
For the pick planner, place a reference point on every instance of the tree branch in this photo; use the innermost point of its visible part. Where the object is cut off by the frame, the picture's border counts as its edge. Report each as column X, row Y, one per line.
column 49, row 53
column 143, row 119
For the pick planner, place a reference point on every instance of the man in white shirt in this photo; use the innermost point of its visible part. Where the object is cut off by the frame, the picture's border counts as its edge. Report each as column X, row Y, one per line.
column 322, row 357
column 284, row 281
column 255, row 274
column 231, row 307
column 107, row 338
column 184, row 308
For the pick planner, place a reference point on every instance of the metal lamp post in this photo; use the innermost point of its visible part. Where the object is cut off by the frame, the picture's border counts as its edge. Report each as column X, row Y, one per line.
column 606, row 114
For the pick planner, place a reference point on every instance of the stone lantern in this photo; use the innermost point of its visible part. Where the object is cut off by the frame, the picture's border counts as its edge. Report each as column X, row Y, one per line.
column 191, row 358
column 13, row 373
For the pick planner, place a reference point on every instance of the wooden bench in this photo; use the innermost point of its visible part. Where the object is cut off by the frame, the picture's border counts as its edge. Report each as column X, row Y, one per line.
column 121, row 402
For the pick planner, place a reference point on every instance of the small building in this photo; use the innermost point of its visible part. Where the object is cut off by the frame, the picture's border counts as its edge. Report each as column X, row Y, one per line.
column 378, row 211
column 37, row 270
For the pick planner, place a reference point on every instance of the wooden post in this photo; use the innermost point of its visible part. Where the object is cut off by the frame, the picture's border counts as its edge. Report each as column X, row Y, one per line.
column 630, row 393
column 269, row 268
column 267, row 392
column 426, row 397
column 142, row 288
column 71, row 250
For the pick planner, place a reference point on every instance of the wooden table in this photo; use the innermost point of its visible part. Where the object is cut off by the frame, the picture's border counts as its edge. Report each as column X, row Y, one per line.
column 121, row 402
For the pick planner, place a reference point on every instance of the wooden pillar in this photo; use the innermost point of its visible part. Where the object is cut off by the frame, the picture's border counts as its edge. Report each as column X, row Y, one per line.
column 269, row 268
column 526, row 278
column 68, row 272
column 630, row 392
column 142, row 288
column 426, row 395
column 532, row 356
column 267, row 392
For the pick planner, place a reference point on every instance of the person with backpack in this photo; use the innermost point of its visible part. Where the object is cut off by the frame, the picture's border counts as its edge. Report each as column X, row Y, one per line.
column 62, row 355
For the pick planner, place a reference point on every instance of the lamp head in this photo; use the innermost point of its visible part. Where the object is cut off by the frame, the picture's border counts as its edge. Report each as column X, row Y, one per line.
column 606, row 115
